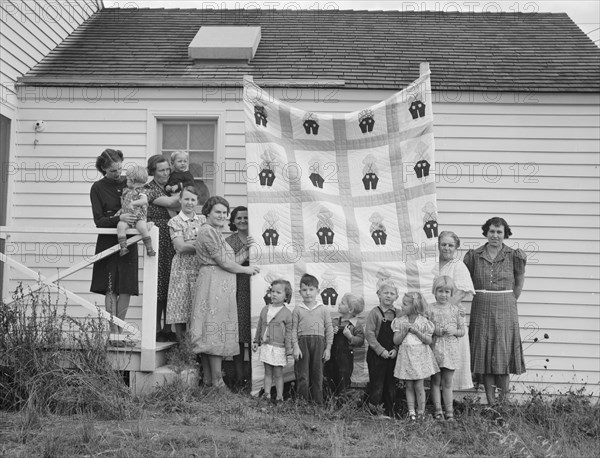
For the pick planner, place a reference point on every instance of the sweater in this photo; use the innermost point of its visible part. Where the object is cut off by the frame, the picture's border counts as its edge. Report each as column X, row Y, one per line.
column 279, row 329
column 312, row 322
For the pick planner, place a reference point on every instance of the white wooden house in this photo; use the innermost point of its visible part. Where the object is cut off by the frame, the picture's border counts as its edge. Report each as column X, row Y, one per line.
column 517, row 127
column 30, row 30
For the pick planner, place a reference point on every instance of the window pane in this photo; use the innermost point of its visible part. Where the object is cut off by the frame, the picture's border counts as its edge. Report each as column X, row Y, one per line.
column 201, row 164
column 202, row 137
column 174, row 136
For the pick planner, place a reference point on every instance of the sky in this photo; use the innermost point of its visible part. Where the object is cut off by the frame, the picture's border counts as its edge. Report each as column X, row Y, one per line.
column 585, row 13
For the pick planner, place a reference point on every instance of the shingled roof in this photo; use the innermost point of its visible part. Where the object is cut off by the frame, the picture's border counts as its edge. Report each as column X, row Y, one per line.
column 356, row 49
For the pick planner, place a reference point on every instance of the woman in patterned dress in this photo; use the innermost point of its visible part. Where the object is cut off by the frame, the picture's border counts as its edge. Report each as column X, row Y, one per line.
column 238, row 222
column 184, row 269
column 158, row 203
column 453, row 267
column 213, row 322
column 498, row 273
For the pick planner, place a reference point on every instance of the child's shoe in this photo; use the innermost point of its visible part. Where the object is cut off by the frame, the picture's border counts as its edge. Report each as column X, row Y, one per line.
column 123, row 251
column 148, row 244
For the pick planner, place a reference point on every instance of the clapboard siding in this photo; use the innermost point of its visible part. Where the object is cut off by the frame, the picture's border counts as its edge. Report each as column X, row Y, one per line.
column 535, row 163
column 30, row 30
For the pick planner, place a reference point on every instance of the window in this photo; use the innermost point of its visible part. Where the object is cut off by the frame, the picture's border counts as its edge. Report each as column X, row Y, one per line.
column 197, row 137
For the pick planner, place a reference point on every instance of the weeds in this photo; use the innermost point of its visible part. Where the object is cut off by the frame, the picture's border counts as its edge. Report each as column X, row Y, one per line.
column 51, row 363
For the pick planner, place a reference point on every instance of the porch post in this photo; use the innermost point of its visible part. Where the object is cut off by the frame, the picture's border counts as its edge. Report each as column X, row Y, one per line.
column 150, row 278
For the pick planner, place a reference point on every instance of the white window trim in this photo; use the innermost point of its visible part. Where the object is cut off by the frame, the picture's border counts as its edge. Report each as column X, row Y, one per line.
column 154, row 116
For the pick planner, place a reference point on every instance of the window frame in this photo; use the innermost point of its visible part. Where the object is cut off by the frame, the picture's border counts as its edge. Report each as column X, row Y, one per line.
column 218, row 117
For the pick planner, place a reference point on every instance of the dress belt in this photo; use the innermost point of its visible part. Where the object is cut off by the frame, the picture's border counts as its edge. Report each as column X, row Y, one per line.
column 494, row 292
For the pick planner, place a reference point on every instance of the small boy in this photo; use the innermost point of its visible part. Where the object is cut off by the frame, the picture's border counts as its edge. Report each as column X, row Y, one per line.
column 348, row 334
column 312, row 336
column 382, row 352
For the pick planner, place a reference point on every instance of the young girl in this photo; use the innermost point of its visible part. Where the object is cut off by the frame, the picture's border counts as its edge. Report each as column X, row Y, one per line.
column 449, row 326
column 135, row 202
column 382, row 352
column 274, row 337
column 183, row 229
column 348, row 333
column 415, row 358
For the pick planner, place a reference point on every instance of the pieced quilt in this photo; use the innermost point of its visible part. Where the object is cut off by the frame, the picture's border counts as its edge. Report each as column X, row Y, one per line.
column 347, row 197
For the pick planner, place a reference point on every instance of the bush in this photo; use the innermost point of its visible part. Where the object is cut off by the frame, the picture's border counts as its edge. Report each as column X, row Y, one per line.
column 52, row 363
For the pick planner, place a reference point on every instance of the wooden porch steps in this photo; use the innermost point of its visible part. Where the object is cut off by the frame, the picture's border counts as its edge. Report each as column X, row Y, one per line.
column 128, row 359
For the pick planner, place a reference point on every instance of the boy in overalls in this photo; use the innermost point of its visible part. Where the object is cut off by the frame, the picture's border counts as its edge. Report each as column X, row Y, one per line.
column 382, row 352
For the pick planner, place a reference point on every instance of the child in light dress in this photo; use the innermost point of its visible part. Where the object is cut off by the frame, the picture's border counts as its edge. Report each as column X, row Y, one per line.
column 274, row 337
column 415, row 361
column 183, row 230
column 449, row 326
column 135, row 202
column 348, row 333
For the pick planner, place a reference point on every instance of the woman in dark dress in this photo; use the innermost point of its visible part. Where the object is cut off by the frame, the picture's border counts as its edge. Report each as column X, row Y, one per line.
column 238, row 222
column 498, row 274
column 116, row 277
column 158, row 204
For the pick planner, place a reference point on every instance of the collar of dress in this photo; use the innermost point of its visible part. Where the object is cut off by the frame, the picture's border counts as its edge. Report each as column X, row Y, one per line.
column 482, row 251
column 186, row 218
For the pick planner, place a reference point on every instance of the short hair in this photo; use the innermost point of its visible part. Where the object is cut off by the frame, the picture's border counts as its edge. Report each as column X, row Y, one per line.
column 137, row 174
column 153, row 162
column 387, row 283
column 191, row 189
column 417, row 301
column 356, row 304
column 443, row 281
column 496, row 221
column 309, row 280
column 211, row 202
column 174, row 155
column 234, row 212
column 108, row 158
column 287, row 287
column 450, row 234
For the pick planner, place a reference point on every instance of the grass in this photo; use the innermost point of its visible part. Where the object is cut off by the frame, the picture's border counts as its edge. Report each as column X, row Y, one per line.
column 178, row 420
column 58, row 403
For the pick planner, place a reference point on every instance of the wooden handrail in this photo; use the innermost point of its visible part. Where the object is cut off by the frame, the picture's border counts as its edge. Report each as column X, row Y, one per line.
column 150, row 275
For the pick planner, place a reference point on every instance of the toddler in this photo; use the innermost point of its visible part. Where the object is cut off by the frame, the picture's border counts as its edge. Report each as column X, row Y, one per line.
column 382, row 351
column 348, row 334
column 412, row 332
column 274, row 337
column 180, row 175
column 135, row 202
column 312, row 337
column 449, row 326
